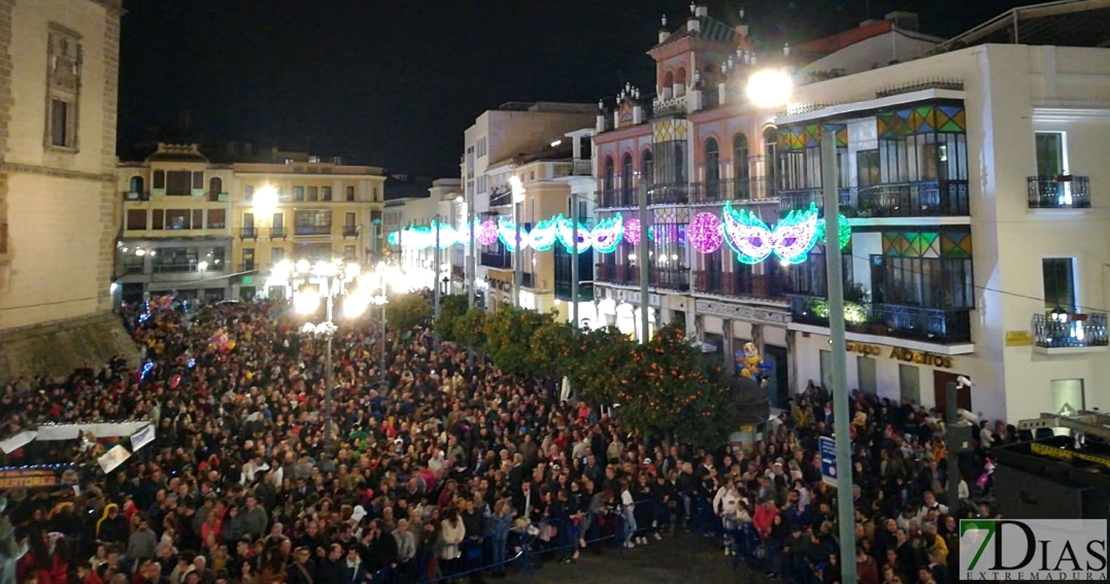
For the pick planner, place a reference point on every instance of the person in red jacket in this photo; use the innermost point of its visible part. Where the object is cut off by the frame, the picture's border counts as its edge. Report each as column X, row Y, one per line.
column 764, row 518
column 867, row 571
column 87, row 575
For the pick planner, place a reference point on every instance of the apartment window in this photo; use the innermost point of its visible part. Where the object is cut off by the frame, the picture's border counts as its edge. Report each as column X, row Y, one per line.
column 136, row 219
column 311, row 193
column 157, row 219
column 313, row 222
column 179, row 183
column 350, row 193
column 215, row 259
column 1060, row 284
column 215, row 187
column 608, row 178
column 924, row 282
column 176, row 259
column 198, row 181
column 277, row 255
column 586, row 152
column 647, row 167
column 712, row 161
column 671, row 162
column 1052, row 160
column 198, row 219
column 325, row 193
column 278, row 224
column 626, row 175
column 740, row 157
column 867, row 168
column 248, row 192
column 298, row 193
column 217, row 218
column 349, row 219
column 177, row 219
column 63, row 86
column 248, row 260
column 159, row 181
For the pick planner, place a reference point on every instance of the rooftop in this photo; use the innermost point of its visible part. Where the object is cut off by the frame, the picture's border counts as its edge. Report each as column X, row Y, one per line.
column 1066, row 23
column 177, row 153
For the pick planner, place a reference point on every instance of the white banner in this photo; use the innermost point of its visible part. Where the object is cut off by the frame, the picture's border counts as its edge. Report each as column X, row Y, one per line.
column 142, row 437
column 99, row 429
column 18, row 441
column 113, row 458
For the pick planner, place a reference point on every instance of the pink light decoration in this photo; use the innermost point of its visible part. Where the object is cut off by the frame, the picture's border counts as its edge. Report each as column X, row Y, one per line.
column 487, row 232
column 705, row 232
column 632, row 231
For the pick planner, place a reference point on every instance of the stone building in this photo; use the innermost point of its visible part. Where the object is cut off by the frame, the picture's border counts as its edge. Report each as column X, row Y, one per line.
column 59, row 67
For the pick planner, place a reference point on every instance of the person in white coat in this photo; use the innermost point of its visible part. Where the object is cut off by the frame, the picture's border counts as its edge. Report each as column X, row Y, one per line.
column 452, row 531
column 724, row 504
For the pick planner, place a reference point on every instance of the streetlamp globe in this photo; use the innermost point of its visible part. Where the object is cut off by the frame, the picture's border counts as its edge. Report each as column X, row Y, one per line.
column 265, row 201
column 769, row 88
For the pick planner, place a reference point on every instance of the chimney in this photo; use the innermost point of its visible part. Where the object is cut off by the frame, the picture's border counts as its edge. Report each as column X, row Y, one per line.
column 742, row 27
column 638, row 114
column 701, row 11
column 664, row 34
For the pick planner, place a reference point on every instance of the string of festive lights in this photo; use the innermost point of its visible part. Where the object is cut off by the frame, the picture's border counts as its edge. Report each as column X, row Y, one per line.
column 753, row 241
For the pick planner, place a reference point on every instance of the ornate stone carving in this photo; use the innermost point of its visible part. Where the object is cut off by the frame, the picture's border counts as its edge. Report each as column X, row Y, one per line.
column 746, row 313
column 65, row 61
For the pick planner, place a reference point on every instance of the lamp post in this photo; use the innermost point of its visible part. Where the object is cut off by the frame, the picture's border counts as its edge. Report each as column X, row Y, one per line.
column 327, row 281
column 518, row 265
column 769, row 89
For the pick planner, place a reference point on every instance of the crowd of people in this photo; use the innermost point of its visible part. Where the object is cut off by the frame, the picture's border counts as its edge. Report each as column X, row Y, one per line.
column 438, row 468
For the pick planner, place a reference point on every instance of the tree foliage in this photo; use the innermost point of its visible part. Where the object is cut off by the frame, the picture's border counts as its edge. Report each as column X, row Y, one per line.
column 450, row 310
column 603, row 364
column 508, row 338
column 470, row 329
column 675, row 389
column 407, row 311
column 554, row 349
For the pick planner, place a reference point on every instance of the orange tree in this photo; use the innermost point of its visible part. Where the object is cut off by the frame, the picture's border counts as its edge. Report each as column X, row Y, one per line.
column 407, row 311
column 452, row 308
column 470, row 329
column 509, row 335
column 672, row 388
column 602, row 365
column 554, row 349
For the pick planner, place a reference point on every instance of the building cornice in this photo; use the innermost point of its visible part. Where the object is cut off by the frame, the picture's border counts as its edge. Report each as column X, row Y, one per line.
column 18, row 168
column 1057, row 115
column 869, row 105
column 114, row 5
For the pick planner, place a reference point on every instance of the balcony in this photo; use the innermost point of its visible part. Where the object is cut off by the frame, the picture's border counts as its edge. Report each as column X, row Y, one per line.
column 312, row 230
column 350, row 231
column 496, row 260
column 669, row 278
column 614, row 199
column 248, row 233
column 279, row 232
column 1063, row 333
column 1063, row 192
column 136, row 196
column 738, row 189
column 740, row 285
column 931, row 325
column 617, row 274
column 669, row 194
column 917, row 199
column 247, row 267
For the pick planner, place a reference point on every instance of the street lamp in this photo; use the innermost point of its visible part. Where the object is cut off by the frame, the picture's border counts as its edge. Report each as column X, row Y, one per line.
column 323, row 281
column 771, row 89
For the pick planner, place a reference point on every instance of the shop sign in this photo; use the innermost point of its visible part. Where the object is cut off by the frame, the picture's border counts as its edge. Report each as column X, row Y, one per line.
column 865, row 349
column 921, row 358
column 29, row 477
column 1019, row 339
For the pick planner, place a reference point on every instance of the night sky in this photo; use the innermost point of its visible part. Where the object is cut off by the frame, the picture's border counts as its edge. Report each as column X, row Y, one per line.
column 395, row 84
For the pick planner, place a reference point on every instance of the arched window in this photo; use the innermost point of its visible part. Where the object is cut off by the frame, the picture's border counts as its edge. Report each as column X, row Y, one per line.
column 680, row 76
column 741, row 171
column 668, row 79
column 712, row 170
column 647, row 167
column 770, row 159
column 136, row 186
column 626, row 178
column 215, row 187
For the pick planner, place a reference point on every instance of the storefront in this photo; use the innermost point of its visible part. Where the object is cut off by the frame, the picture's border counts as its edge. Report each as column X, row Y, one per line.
column 898, row 373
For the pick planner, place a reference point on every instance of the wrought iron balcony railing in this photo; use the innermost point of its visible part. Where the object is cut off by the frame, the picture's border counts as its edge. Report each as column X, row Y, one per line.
column 1063, row 192
column 934, row 325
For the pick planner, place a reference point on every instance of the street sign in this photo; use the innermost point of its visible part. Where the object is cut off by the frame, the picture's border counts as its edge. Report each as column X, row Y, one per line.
column 828, row 460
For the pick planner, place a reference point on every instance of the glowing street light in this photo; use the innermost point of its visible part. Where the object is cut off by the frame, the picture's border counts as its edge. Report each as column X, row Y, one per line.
column 769, row 88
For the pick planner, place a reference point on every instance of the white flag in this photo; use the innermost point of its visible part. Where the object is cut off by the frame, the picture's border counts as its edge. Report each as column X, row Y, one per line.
column 142, row 437
column 113, row 458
